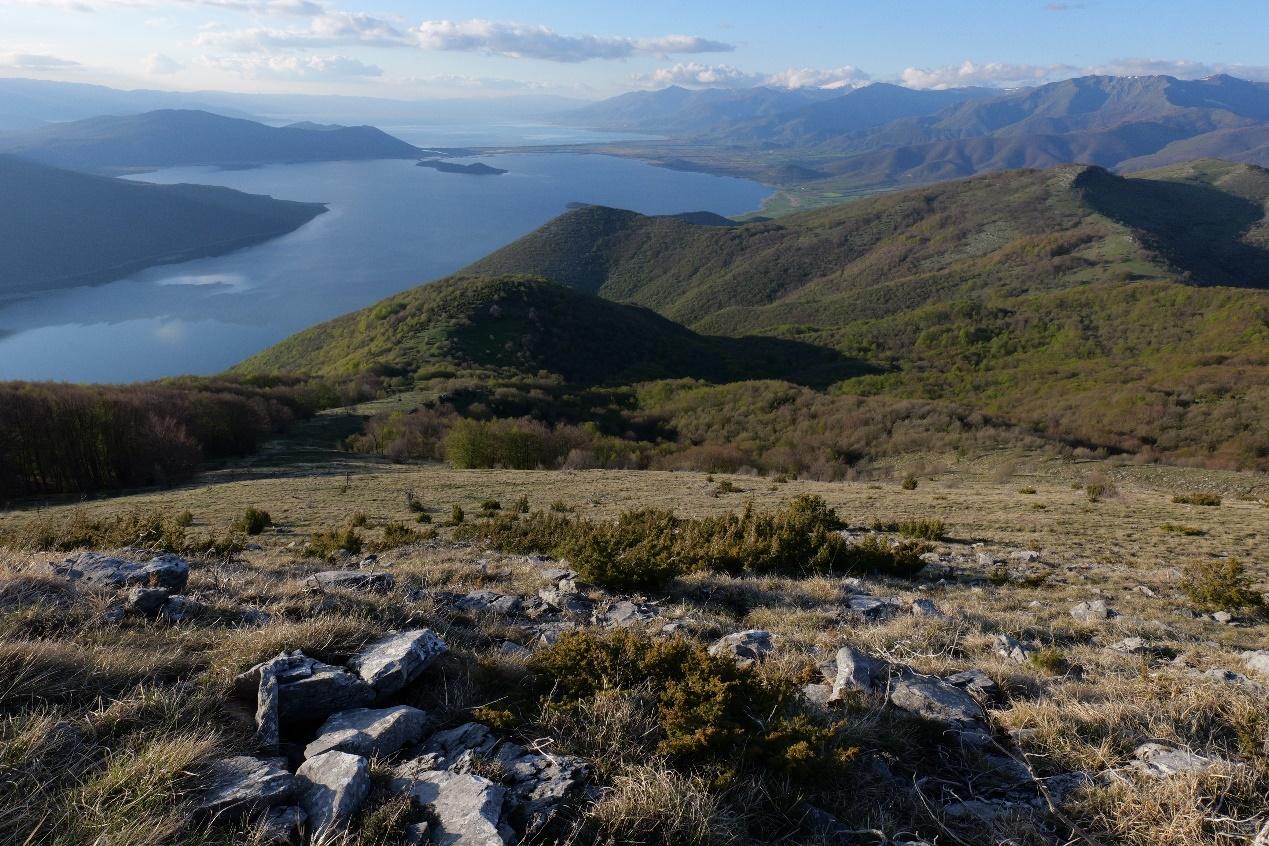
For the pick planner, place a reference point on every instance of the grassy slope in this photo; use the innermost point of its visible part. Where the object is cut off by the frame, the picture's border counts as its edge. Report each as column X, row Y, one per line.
column 1045, row 297
column 528, row 325
column 59, row 229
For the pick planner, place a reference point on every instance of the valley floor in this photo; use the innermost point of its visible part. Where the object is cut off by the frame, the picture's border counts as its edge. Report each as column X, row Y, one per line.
column 110, row 719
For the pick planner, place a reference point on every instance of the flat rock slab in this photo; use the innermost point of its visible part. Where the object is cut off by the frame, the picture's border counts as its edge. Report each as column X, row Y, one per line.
column 332, row 787
column 467, row 807
column 395, row 660
column 102, row 571
column 351, row 580
column 746, row 648
column 369, row 732
column 935, row 699
column 1159, row 761
column 306, row 689
column 244, row 787
column 856, row 671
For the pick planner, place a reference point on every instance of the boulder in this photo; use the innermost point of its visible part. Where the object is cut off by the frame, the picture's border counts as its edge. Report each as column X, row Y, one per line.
column 177, row 608
column 369, row 732
column 351, row 580
column 627, row 613
column 147, row 600
column 936, row 699
column 306, row 689
column 332, row 787
column 466, row 808
column 569, row 603
column 976, row 682
column 1132, row 646
column 102, row 571
column 1091, row 611
column 395, row 660
column 857, row 671
column 927, row 608
column 746, row 648
column 507, row 605
column 1223, row 617
column 871, row 608
column 537, row 785
column 244, row 787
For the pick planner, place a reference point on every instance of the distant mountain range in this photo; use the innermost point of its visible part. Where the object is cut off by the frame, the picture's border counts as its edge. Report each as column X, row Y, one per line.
column 1090, row 308
column 173, row 137
column 885, row 136
column 61, row 229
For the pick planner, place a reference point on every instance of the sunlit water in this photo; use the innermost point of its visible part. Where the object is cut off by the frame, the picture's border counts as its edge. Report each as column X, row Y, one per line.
column 391, row 226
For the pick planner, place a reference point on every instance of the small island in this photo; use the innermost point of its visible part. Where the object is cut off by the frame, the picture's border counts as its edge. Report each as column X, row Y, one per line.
column 475, row 169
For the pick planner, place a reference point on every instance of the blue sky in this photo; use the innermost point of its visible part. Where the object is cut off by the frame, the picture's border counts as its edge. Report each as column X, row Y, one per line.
column 590, row 49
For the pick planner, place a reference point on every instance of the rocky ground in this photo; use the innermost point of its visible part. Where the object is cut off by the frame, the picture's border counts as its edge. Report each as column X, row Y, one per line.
column 1047, row 693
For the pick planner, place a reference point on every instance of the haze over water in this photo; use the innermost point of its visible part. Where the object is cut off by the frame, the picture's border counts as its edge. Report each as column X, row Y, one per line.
column 391, row 226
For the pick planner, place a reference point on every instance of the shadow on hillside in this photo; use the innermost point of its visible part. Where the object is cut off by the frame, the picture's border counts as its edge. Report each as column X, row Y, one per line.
column 1196, row 228
column 809, row 365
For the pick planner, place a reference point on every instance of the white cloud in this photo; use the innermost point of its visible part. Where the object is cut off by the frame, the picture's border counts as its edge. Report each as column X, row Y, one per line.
column 34, row 62
column 528, row 41
column 1002, row 75
column 697, row 75
column 330, row 29
column 255, row 7
column 294, row 68
column 160, row 65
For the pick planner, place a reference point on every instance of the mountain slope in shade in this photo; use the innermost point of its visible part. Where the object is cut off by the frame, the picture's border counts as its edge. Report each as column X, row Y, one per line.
column 60, row 228
column 172, row 138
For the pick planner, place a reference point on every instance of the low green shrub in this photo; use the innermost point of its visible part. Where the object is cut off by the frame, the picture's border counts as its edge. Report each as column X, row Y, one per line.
column 490, row 505
column 909, row 483
column 1049, row 660
column 522, row 505
column 1219, row 584
column 399, row 534
column 150, row 529
column 1179, row 529
column 328, row 544
column 253, row 521
column 359, row 520
column 915, row 529
column 1027, row 491
column 1198, row 498
column 456, row 515
column 185, row 519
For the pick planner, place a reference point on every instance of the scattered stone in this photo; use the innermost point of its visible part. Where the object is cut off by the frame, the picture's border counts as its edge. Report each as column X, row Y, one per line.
column 467, row 807
column 506, row 605
column 1012, row 648
column 1257, row 660
column 1159, row 761
column 177, row 608
column 397, row 659
column 934, row 571
column 477, row 600
column 1091, row 611
column 282, row 826
column 332, row 787
column 1146, row 591
column 307, row 689
column 555, row 575
column 549, row 634
column 351, row 580
column 822, row 825
column 369, row 732
column 569, row 603
column 927, row 608
column 510, row 647
column 164, row 571
column 1223, row 617
column 147, row 600
column 627, row 613
column 243, row 787
column 986, row 811
column 1132, row 646
column 1225, row 676
column 747, row 647
column 1027, row 555
column 976, row 682
column 114, row 614
column 857, row 671
column 872, row 608
column 817, row 694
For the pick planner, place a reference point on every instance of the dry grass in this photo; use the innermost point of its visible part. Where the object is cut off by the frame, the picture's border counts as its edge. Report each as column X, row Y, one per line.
column 104, row 727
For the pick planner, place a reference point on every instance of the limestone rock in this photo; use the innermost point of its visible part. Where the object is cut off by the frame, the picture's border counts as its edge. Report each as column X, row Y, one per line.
column 1159, row 761
column 351, row 580
column 397, row 659
column 147, row 600
column 1012, row 648
column 1091, row 611
column 244, row 786
column 936, row 699
column 332, row 787
column 927, row 608
column 369, row 732
column 467, row 808
column 747, row 647
column 1257, row 660
column 976, row 682
column 307, row 689
column 627, row 613
column 857, row 671
column 102, row 571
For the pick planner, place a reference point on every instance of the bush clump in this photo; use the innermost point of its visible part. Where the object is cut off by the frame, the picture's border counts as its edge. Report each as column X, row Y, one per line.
column 149, row 529
column 1218, row 584
column 253, row 521
column 644, row 549
column 330, row 543
column 1198, row 498
column 909, row 483
column 915, row 529
column 709, row 711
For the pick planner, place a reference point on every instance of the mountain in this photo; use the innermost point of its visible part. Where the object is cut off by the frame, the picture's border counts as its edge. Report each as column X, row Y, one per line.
column 31, row 103
column 173, row 137
column 684, row 111
column 60, row 229
column 1127, row 312
column 528, row 325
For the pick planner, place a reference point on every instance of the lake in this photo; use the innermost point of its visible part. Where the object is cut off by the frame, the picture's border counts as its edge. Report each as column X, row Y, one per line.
column 391, row 226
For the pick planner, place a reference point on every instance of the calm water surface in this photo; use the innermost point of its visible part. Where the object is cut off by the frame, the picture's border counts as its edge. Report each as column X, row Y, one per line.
column 391, row 226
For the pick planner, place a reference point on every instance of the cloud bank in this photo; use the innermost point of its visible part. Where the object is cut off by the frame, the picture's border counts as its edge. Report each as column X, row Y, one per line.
column 528, row 41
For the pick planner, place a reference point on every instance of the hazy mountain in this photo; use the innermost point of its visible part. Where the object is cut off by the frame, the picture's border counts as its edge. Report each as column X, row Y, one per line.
column 171, row 138
column 691, row 112
column 60, row 229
